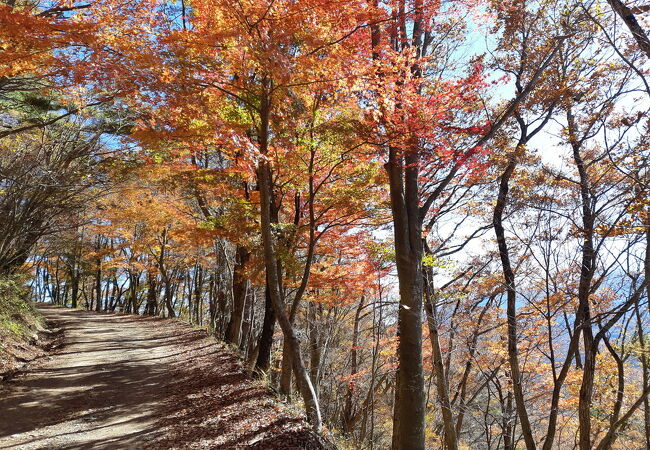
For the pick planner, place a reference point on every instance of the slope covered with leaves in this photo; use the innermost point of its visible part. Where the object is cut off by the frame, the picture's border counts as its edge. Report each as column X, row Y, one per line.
column 212, row 402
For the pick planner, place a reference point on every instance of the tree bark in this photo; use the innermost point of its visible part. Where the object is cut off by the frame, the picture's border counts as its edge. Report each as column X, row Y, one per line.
column 639, row 34
column 151, row 307
column 442, row 387
column 239, row 293
column 409, row 420
column 511, row 293
column 265, row 344
column 198, row 294
column 285, row 371
column 314, row 347
column 75, row 287
column 98, row 285
column 270, row 263
column 348, row 416
column 587, row 268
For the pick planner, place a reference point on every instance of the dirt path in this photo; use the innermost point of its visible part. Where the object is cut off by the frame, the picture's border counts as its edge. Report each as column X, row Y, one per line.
column 100, row 391
column 132, row 382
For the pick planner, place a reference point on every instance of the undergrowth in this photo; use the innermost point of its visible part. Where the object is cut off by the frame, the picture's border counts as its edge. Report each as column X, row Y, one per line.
column 18, row 318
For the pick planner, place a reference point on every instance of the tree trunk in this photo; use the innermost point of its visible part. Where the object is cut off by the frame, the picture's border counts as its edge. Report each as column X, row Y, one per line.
column 314, row 348
column 169, row 294
column 508, row 428
column 442, row 387
column 511, row 293
column 409, row 420
column 587, row 269
column 151, row 308
column 212, row 303
column 265, row 344
column 248, row 323
column 75, row 288
column 632, row 24
column 198, row 293
column 187, row 284
column 285, row 371
column 348, row 409
column 644, row 358
column 239, row 291
column 270, row 263
column 98, row 285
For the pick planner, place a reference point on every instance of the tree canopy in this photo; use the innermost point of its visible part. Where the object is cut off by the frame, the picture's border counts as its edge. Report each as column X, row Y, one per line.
column 443, row 206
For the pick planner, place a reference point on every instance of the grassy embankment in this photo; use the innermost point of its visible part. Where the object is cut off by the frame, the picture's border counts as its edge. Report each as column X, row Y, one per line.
column 21, row 327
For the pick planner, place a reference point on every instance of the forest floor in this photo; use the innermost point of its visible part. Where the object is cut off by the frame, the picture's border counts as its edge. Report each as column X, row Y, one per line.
column 123, row 381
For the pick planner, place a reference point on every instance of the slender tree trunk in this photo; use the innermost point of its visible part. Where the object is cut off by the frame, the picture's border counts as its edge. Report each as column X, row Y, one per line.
column 646, row 376
column 508, row 428
column 66, row 291
column 198, row 293
column 239, row 294
column 212, row 303
column 55, row 285
column 395, row 438
column 315, row 353
column 348, row 409
column 265, row 343
column 442, row 386
column 134, row 294
column 587, row 269
column 75, row 287
column 270, row 263
column 248, row 322
column 511, row 293
column 187, row 284
column 221, row 310
column 98, row 285
column 114, row 296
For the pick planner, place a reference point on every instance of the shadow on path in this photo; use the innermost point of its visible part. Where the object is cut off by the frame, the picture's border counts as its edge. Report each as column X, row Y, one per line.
column 134, row 382
column 101, row 391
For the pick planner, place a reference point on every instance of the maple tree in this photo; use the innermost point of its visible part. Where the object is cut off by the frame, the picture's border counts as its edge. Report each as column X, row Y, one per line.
column 337, row 169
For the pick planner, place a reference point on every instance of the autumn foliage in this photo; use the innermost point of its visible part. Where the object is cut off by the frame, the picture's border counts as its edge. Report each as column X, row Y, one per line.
column 428, row 219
